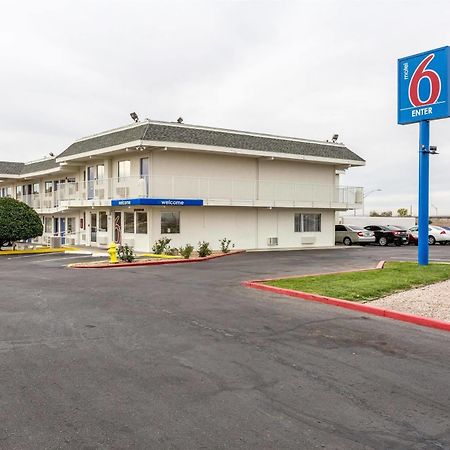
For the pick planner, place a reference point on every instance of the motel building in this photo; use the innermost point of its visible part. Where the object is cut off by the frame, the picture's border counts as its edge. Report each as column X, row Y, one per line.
column 136, row 184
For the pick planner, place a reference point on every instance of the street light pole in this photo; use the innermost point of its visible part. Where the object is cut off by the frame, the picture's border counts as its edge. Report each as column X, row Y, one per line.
column 366, row 195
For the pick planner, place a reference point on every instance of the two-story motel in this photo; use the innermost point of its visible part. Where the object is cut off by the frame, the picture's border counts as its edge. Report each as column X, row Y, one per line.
column 191, row 183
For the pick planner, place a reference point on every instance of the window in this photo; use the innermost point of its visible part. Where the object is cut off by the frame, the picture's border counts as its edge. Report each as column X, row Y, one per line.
column 123, row 169
column 48, row 187
column 36, row 188
column 70, row 225
column 18, row 191
column 128, row 219
column 100, row 172
column 48, row 225
column 307, row 223
column 170, row 222
column 103, row 221
column 311, row 222
column 141, row 222
column 340, row 228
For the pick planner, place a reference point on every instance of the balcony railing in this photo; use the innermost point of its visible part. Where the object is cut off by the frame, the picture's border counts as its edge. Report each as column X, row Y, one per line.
column 211, row 190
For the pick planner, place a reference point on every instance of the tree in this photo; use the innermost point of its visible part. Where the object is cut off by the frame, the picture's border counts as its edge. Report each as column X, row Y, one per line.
column 18, row 221
column 402, row 212
column 382, row 214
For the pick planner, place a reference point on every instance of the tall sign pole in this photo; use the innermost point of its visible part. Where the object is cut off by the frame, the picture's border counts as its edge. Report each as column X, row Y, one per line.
column 424, row 95
column 424, row 190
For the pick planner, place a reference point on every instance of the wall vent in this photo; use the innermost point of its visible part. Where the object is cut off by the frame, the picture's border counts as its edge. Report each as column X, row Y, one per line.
column 272, row 241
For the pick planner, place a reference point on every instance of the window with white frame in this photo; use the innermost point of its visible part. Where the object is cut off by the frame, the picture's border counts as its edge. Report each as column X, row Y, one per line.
column 141, row 222
column 70, row 225
column 102, row 221
column 307, row 222
column 48, row 225
column 170, row 222
column 100, row 171
column 128, row 222
column 123, row 169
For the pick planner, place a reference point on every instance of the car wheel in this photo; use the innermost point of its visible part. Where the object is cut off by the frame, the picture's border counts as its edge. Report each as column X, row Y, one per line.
column 383, row 241
column 431, row 240
column 347, row 241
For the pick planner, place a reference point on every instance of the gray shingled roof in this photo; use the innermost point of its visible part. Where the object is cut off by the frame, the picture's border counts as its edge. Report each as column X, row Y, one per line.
column 38, row 166
column 105, row 140
column 16, row 168
column 11, row 168
column 184, row 134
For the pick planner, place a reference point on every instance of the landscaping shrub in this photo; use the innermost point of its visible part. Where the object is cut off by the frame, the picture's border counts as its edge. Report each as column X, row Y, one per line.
column 186, row 251
column 161, row 245
column 225, row 245
column 125, row 253
column 203, row 249
column 18, row 222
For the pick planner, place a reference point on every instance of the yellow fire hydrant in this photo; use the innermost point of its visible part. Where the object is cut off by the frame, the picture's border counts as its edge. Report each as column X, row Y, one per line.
column 112, row 250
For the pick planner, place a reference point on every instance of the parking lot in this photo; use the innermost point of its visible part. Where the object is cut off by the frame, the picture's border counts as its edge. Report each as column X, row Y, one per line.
column 183, row 356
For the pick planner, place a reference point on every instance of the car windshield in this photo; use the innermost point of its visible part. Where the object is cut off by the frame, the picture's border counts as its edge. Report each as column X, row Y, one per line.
column 392, row 227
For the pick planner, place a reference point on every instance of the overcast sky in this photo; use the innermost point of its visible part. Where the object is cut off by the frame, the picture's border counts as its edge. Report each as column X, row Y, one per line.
column 298, row 68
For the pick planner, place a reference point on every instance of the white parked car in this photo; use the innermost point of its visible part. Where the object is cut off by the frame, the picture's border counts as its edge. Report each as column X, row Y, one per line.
column 435, row 234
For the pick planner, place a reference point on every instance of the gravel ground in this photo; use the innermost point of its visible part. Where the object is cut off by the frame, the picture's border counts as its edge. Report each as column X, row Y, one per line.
column 428, row 301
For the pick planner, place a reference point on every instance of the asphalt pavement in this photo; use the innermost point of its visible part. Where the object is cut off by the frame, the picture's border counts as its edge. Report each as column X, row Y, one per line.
column 184, row 357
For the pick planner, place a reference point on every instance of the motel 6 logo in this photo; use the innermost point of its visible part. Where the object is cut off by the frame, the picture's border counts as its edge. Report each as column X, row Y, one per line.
column 423, row 86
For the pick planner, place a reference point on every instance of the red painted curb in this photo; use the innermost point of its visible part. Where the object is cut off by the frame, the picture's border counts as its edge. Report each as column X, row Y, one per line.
column 368, row 309
column 154, row 263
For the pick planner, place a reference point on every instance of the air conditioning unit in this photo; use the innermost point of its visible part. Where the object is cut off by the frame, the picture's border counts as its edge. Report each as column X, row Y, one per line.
column 55, row 241
column 122, row 192
column 100, row 193
column 271, row 241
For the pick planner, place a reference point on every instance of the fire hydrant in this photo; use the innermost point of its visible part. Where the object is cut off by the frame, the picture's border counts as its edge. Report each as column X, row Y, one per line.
column 112, row 250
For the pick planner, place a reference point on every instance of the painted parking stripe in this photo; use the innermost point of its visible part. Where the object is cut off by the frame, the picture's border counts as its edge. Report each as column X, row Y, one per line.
column 36, row 255
column 70, row 257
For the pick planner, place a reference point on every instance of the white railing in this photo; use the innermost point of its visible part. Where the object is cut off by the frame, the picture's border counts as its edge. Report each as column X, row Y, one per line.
column 206, row 188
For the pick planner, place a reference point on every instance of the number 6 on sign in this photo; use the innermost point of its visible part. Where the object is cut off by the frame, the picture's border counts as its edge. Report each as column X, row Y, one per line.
column 435, row 83
column 424, row 95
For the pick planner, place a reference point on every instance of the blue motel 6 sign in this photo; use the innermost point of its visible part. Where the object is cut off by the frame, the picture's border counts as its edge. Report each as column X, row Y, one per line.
column 423, row 86
column 423, row 95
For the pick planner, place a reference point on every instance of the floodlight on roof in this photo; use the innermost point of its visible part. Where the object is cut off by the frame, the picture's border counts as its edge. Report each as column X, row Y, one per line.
column 334, row 138
column 134, row 116
column 180, row 120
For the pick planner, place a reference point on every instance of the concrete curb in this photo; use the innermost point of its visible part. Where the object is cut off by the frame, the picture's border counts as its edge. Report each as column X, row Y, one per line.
column 361, row 307
column 152, row 263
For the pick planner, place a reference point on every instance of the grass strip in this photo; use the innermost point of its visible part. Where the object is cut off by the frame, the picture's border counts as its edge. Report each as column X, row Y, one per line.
column 368, row 285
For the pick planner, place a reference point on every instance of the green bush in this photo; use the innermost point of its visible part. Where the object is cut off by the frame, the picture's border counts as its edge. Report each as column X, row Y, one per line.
column 161, row 245
column 18, row 222
column 125, row 253
column 186, row 251
column 203, row 249
column 225, row 245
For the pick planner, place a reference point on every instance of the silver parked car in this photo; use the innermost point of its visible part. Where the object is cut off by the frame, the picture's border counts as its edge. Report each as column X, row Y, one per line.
column 352, row 234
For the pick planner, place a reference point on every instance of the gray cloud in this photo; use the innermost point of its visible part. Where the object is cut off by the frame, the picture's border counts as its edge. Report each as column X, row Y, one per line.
column 300, row 68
